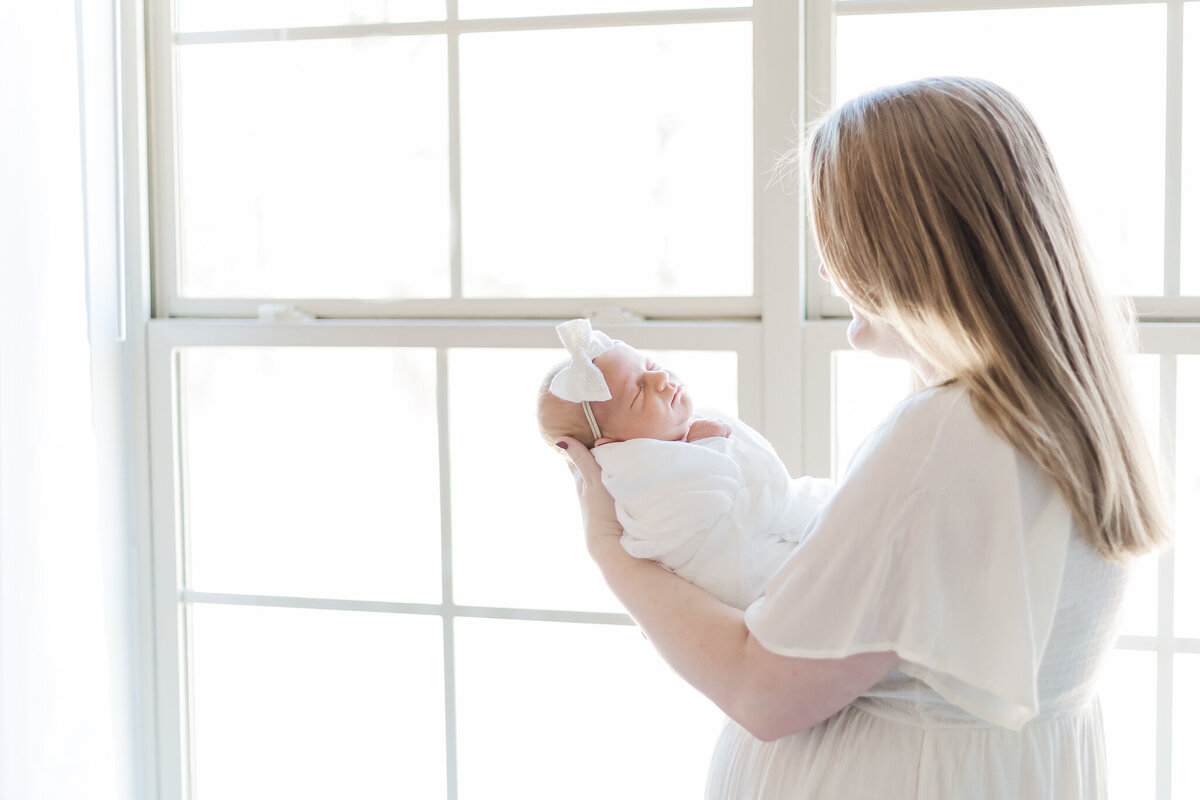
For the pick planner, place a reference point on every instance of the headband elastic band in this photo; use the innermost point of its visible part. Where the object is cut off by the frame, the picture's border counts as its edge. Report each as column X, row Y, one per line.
column 591, row 418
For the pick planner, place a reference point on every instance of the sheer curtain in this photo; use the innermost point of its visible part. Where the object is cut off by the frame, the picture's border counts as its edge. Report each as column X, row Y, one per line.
column 65, row 701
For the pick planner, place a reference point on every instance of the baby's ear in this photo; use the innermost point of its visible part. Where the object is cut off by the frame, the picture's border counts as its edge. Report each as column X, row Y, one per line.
column 603, row 440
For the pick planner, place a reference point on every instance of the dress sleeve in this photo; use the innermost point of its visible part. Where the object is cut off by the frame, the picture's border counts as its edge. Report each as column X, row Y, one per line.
column 930, row 549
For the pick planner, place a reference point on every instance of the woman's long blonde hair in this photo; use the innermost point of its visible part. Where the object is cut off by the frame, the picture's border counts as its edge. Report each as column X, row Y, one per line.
column 937, row 208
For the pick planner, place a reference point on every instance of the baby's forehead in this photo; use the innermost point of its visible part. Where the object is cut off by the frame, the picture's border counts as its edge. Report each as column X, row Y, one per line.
column 621, row 358
column 627, row 350
column 621, row 366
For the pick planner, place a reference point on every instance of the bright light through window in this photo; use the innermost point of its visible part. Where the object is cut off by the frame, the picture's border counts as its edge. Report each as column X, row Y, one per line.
column 311, row 472
column 313, row 704
column 1101, row 107
column 315, row 168
column 601, row 690
column 608, row 175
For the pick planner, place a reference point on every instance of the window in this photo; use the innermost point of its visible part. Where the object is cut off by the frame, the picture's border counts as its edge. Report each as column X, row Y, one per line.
column 366, row 579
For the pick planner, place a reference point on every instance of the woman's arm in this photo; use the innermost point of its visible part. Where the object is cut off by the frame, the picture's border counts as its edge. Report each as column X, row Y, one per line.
column 707, row 642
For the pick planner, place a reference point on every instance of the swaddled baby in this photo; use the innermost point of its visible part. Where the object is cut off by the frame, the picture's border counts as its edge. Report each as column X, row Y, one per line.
column 704, row 495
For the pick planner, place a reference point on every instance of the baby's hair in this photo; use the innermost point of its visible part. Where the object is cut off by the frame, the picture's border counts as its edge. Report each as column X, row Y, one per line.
column 557, row 417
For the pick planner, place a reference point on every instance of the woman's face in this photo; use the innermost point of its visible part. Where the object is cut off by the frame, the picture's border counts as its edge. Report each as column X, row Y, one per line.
column 874, row 335
column 871, row 334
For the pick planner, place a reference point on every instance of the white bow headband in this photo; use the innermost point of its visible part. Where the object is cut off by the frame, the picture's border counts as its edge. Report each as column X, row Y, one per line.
column 581, row 381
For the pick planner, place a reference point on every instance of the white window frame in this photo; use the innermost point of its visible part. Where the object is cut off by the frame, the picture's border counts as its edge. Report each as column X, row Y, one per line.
column 785, row 333
column 165, row 160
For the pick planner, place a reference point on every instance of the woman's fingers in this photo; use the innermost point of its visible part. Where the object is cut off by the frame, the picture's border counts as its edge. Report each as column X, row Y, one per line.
column 583, row 463
column 595, row 503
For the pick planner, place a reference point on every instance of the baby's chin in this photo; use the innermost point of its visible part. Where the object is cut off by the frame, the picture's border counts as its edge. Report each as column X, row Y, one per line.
column 683, row 403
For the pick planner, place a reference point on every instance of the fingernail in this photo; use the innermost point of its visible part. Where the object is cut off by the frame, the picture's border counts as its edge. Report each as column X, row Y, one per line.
column 563, row 445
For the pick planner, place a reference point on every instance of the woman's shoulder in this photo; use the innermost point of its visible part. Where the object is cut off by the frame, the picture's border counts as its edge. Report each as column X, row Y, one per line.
column 938, row 425
column 933, row 403
column 920, row 415
column 934, row 413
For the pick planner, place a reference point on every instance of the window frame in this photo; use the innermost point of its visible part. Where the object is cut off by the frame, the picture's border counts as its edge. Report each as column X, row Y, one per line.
column 770, row 33
column 790, row 312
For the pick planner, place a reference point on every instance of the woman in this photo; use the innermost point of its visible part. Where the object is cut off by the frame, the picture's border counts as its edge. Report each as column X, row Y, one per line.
column 939, row 632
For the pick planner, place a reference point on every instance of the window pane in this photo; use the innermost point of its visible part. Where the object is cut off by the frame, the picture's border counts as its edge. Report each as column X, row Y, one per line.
column 1140, row 614
column 312, row 472
column 304, row 704
column 214, row 15
column 482, row 9
column 314, row 168
column 517, row 538
column 1186, row 734
column 866, row 388
column 1127, row 692
column 607, row 175
column 1098, row 97
column 1187, row 499
column 1190, row 264
column 635, row 729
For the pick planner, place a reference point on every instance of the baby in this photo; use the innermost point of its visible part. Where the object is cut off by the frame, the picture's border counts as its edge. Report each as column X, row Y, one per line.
column 706, row 496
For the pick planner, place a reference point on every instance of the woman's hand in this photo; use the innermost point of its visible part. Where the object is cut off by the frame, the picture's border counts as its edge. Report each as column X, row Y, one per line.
column 600, row 524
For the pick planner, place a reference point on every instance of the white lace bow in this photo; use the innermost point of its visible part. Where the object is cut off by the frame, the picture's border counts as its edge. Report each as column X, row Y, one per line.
column 581, row 381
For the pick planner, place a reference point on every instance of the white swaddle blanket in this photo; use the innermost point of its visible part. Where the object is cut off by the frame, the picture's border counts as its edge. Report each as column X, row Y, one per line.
column 722, row 513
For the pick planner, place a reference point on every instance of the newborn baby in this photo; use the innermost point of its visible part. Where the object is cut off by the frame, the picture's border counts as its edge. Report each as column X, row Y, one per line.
column 706, row 496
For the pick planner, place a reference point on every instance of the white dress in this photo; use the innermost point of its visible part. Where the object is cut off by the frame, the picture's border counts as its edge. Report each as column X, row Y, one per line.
column 944, row 545
column 720, row 512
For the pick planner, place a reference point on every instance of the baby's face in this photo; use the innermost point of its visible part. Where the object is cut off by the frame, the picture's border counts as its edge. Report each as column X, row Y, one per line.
column 648, row 402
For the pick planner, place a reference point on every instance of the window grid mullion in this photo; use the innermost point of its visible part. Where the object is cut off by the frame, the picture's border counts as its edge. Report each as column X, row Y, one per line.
column 182, row 537
column 870, row 7
column 163, row 137
column 447, row 608
column 820, row 22
column 778, row 32
column 171, row 685
column 453, row 79
column 1163, row 718
column 1164, row 690
column 194, row 598
column 453, row 25
column 1173, row 183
